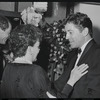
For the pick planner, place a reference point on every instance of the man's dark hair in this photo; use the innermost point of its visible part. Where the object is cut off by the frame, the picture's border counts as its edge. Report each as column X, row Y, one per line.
column 23, row 36
column 4, row 23
column 81, row 20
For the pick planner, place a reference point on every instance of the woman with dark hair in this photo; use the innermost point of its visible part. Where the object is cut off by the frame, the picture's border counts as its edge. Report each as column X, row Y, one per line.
column 21, row 78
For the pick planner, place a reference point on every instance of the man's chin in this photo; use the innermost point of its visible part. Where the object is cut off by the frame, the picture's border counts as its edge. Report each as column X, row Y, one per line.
column 2, row 43
column 73, row 47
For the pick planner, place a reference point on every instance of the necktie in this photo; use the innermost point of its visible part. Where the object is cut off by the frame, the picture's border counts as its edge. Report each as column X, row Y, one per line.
column 78, row 56
column 79, row 51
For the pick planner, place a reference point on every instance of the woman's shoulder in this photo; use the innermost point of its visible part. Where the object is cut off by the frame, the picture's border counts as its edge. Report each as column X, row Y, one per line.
column 38, row 73
column 37, row 68
column 26, row 68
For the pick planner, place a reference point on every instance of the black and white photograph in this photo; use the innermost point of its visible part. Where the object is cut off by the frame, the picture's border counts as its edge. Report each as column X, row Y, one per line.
column 49, row 49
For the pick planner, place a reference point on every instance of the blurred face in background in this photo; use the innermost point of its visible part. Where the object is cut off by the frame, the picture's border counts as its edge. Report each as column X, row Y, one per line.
column 4, row 34
column 34, row 18
column 30, row 16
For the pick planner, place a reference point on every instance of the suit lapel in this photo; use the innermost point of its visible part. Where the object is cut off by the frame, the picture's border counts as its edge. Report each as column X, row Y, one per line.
column 89, row 45
column 73, row 60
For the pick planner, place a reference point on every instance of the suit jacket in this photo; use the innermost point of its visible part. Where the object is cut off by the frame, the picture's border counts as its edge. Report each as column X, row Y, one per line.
column 89, row 85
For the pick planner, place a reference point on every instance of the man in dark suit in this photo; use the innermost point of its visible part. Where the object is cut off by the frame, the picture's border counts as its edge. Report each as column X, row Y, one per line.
column 5, row 28
column 78, row 29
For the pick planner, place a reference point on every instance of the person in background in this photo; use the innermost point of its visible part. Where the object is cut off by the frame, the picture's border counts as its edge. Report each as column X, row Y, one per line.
column 79, row 32
column 23, row 79
column 5, row 29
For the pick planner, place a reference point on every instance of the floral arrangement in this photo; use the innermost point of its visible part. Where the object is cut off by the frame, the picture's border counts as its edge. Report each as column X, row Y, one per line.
column 56, row 36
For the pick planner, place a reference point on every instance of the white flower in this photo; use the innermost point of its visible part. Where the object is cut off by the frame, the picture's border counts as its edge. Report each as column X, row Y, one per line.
column 56, row 30
column 60, row 42
column 50, row 55
column 58, row 39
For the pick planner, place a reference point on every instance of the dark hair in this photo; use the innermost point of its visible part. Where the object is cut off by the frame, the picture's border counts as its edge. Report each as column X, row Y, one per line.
column 23, row 36
column 81, row 20
column 4, row 23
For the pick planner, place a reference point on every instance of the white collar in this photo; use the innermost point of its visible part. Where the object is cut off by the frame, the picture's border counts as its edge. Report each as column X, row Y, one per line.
column 20, row 60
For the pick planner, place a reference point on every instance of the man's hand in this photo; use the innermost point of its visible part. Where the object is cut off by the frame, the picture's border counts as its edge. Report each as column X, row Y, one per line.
column 76, row 73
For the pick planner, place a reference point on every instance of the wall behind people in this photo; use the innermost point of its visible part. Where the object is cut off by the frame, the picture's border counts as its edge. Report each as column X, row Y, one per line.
column 56, row 11
column 92, row 9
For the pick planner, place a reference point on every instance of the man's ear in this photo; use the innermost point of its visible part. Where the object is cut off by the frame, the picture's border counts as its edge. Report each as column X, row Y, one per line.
column 85, row 31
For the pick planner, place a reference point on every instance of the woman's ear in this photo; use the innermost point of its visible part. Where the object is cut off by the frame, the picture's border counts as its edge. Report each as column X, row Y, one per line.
column 85, row 31
column 29, row 49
